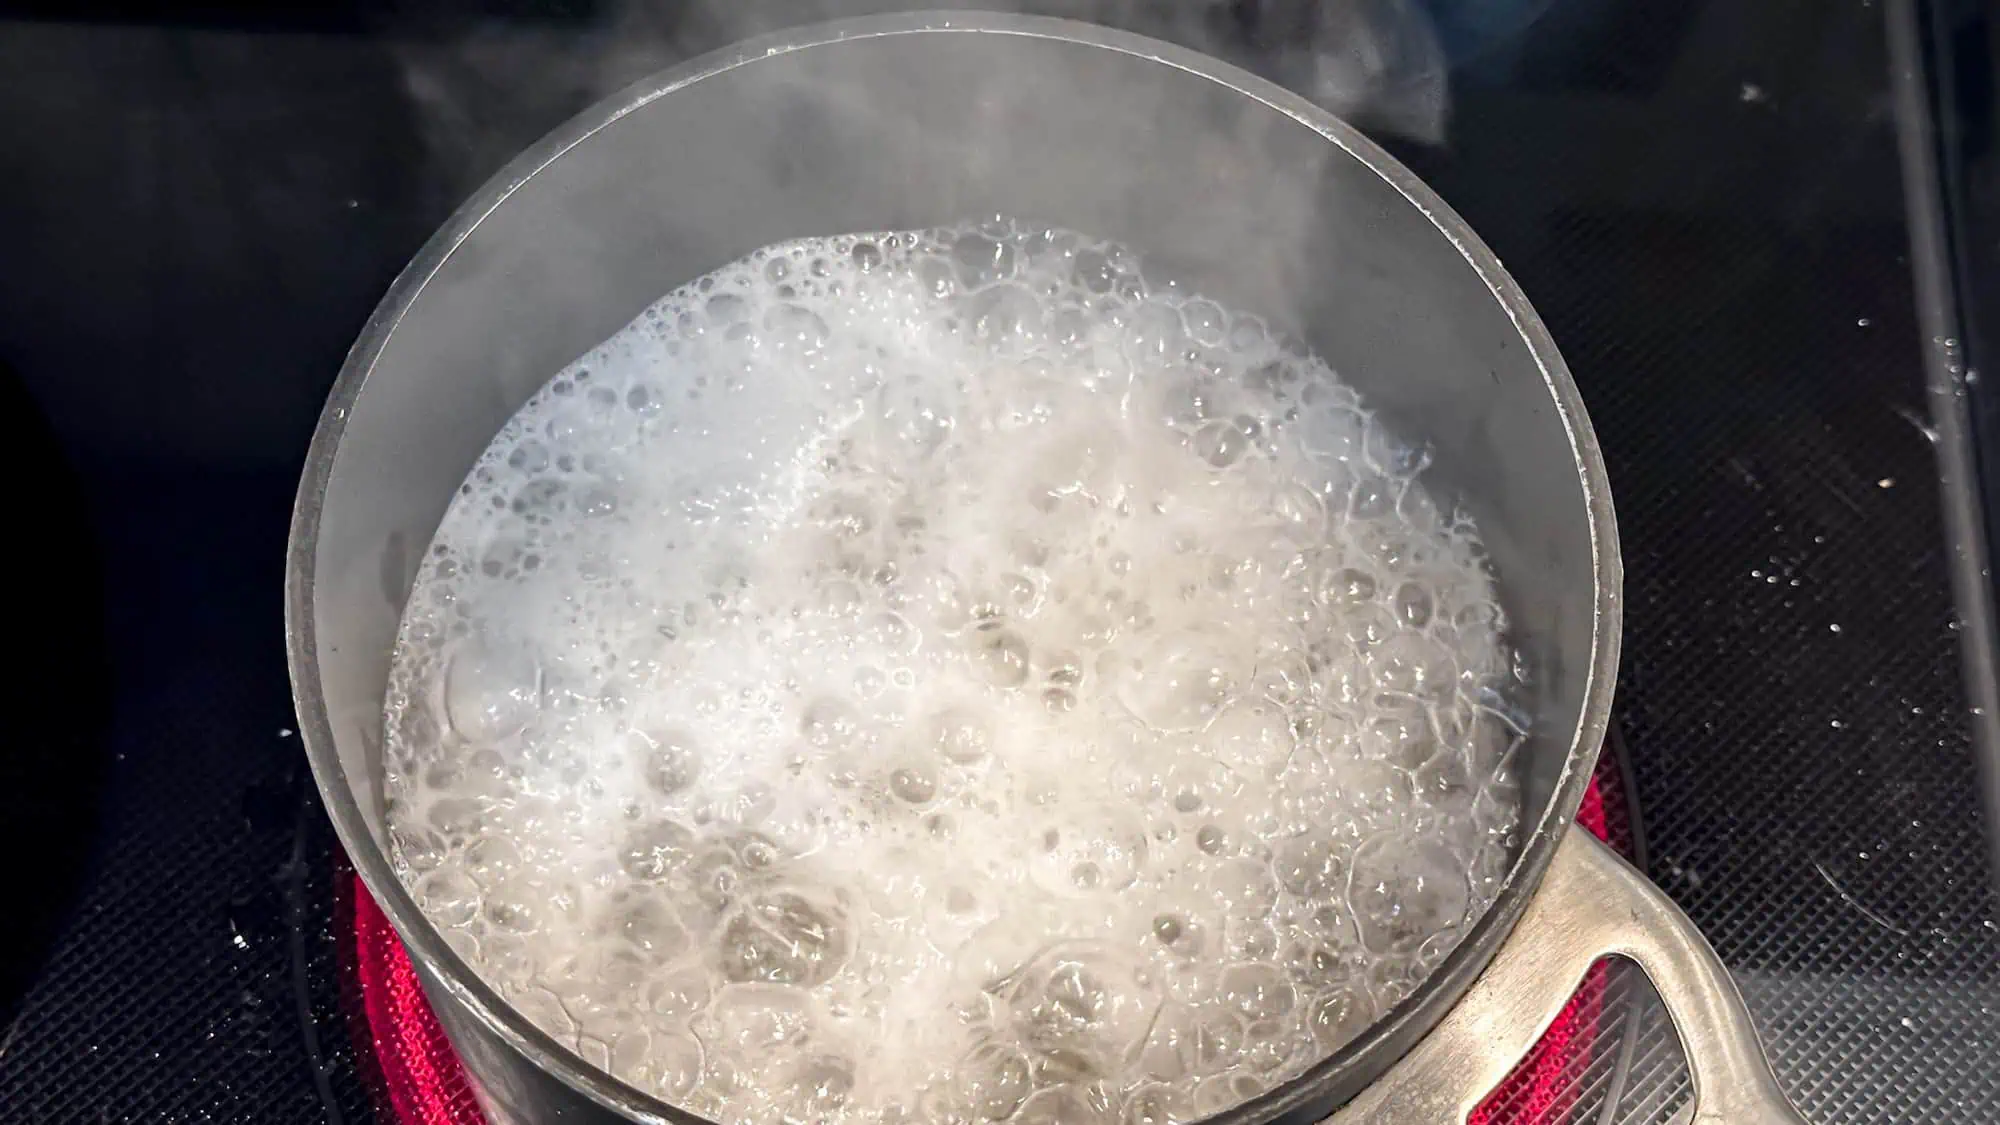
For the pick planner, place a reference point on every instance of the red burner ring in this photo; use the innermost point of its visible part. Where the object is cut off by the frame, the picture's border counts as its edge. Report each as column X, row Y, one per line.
column 424, row 1084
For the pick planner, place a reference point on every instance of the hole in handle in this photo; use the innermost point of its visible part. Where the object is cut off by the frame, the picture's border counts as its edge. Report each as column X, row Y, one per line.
column 1611, row 1058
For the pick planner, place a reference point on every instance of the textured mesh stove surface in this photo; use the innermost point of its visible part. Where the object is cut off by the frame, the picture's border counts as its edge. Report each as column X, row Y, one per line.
column 1701, row 198
column 1790, row 687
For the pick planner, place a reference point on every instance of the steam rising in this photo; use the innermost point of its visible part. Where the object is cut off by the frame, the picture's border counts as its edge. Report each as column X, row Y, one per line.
column 485, row 92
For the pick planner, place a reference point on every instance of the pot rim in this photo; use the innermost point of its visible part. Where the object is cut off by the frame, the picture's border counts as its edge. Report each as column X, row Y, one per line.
column 1337, row 1075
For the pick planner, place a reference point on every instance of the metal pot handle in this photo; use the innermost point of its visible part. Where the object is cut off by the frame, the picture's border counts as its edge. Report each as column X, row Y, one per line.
column 1591, row 904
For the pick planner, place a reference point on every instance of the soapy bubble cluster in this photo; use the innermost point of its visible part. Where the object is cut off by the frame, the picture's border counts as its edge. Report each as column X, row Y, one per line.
column 951, row 676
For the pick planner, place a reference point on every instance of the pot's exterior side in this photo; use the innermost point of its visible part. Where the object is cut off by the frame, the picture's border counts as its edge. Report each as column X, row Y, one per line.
column 1236, row 188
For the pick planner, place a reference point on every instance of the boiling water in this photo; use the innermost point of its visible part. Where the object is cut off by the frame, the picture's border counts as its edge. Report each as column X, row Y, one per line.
column 950, row 676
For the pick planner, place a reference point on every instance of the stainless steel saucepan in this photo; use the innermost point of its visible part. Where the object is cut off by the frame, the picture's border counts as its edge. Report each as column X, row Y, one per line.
column 1242, row 190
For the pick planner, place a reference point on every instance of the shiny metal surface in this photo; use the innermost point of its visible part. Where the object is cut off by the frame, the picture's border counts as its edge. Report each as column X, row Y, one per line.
column 1591, row 905
column 1239, row 189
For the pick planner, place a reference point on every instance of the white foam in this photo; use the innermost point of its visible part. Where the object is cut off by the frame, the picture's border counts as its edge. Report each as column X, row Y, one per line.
column 950, row 674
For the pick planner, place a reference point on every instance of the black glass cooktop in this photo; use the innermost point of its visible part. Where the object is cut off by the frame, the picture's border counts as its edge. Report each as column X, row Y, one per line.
column 1766, row 237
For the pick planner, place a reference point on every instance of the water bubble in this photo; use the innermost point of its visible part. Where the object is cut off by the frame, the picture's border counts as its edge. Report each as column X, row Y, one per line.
column 960, row 735
column 670, row 760
column 784, row 937
column 1095, row 851
column 1413, row 605
column 1402, row 739
column 1309, row 866
column 1243, row 888
column 1189, row 784
column 1252, row 739
column 1183, row 681
column 829, row 722
column 870, row 682
column 450, row 898
column 1367, row 627
column 1299, row 514
column 529, row 457
column 1346, row 586
column 1020, row 591
column 1283, row 677
column 795, row 328
column 1006, row 317
column 540, row 499
column 749, row 804
column 1170, row 1052
column 544, row 1010
column 643, row 400
column 935, row 275
column 1339, row 1016
column 1221, row 444
column 914, row 784
column 655, row 851
column 982, row 260
column 678, row 995
column 759, row 1018
column 666, row 1063
column 1185, row 404
column 492, row 857
column 993, row 1081
column 726, row 308
column 453, row 821
column 1218, row 1041
column 1374, row 787
column 1206, row 322
column 1153, row 332
column 1373, row 498
column 1155, row 1105
column 956, row 910
column 650, row 926
column 1444, row 778
column 890, row 632
column 816, row 1089
column 1061, row 1105
column 492, row 692
column 1257, row 992
column 1178, row 935
column 1271, row 1044
column 1094, row 272
column 753, row 851
column 918, row 425
column 509, row 909
column 1402, row 891
column 1000, row 655
column 845, row 515
column 1083, row 998
column 840, row 598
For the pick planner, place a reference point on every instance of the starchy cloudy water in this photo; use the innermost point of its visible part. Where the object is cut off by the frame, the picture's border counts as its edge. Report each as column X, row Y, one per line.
column 950, row 676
